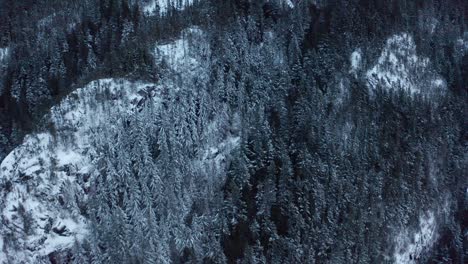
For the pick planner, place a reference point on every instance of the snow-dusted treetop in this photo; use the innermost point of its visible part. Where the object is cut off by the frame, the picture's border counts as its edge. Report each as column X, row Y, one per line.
column 153, row 6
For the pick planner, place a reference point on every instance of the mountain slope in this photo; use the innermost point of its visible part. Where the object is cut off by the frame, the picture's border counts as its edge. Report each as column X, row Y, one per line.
column 233, row 131
column 46, row 179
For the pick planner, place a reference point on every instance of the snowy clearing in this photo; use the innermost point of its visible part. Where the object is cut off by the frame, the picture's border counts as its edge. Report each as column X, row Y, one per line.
column 400, row 67
column 185, row 54
column 410, row 245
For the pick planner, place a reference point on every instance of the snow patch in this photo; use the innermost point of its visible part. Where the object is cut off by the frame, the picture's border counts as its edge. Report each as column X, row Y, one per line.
column 185, row 55
column 399, row 67
column 179, row 52
column 356, row 58
column 410, row 246
column 289, row 3
column 438, row 83
column 4, row 53
column 463, row 44
column 153, row 6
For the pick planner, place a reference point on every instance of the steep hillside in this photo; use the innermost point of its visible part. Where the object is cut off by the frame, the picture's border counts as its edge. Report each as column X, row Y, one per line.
column 236, row 131
column 46, row 178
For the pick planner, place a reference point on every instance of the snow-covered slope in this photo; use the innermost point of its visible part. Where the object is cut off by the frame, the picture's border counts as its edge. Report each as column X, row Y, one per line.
column 289, row 3
column 45, row 180
column 184, row 55
column 400, row 67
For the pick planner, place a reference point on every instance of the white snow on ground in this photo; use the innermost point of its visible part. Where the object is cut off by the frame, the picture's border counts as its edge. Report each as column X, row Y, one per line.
column 4, row 53
column 152, row 6
column 356, row 58
column 399, row 67
column 410, row 245
column 289, row 3
column 185, row 53
column 42, row 178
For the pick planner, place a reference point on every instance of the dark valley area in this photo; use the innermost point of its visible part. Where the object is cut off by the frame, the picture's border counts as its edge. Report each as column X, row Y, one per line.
column 233, row 131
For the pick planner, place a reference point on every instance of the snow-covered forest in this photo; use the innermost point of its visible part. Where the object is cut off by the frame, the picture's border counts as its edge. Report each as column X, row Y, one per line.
column 233, row 131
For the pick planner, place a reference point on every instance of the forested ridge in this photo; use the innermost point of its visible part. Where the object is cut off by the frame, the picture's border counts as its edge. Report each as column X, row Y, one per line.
column 322, row 131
